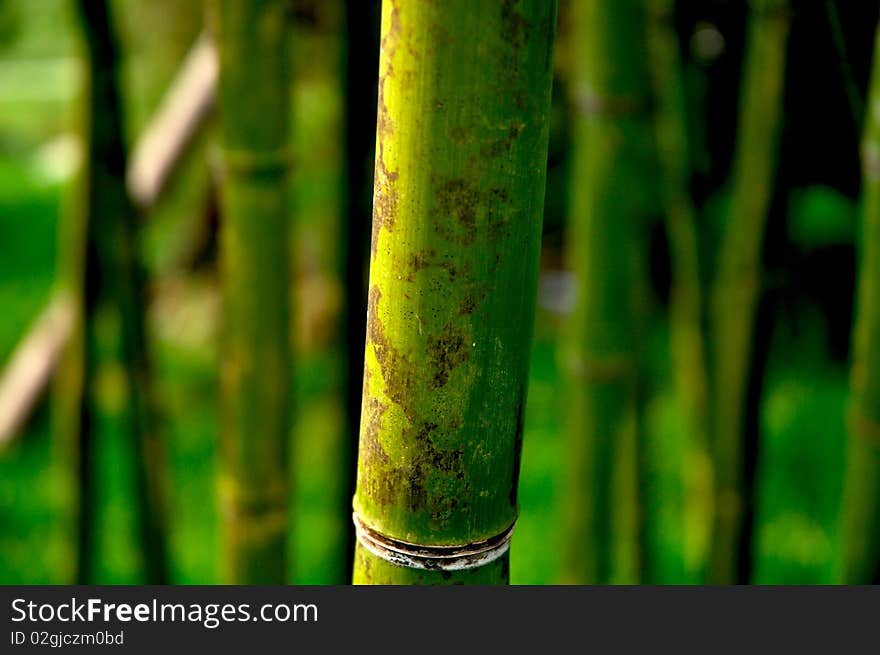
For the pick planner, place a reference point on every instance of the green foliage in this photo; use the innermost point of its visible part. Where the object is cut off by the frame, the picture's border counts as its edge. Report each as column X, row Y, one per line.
column 28, row 219
column 534, row 555
column 819, row 216
column 799, row 477
column 9, row 23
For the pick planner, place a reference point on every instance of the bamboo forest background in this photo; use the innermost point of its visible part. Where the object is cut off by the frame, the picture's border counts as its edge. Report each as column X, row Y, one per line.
column 705, row 203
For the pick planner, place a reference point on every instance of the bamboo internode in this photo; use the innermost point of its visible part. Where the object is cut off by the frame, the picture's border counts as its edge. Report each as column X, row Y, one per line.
column 737, row 286
column 457, row 214
column 254, row 258
column 611, row 194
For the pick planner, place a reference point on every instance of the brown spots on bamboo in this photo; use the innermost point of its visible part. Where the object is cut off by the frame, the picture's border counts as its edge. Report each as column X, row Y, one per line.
column 514, row 25
column 440, row 37
column 388, row 47
column 397, row 370
column 516, row 31
column 419, row 482
column 505, row 143
column 373, row 457
column 466, row 213
column 446, row 352
column 423, row 473
column 450, row 269
column 385, row 196
column 384, row 204
column 419, row 261
column 381, row 488
column 427, row 258
column 458, row 202
column 371, row 447
column 474, row 296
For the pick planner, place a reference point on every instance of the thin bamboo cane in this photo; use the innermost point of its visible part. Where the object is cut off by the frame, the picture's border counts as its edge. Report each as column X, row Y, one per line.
column 688, row 329
column 112, row 274
column 738, row 281
column 464, row 101
column 255, row 394
column 611, row 193
column 860, row 513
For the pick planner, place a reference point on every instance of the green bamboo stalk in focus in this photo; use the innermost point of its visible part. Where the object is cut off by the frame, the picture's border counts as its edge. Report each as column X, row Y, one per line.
column 610, row 197
column 860, row 513
column 252, row 38
column 688, row 329
column 464, row 102
column 738, row 282
column 107, row 234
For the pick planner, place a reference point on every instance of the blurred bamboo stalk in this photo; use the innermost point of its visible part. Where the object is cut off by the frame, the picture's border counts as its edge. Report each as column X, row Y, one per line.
column 459, row 188
column 609, row 205
column 183, row 110
column 738, row 282
column 255, row 385
column 688, row 330
column 860, row 511
column 112, row 276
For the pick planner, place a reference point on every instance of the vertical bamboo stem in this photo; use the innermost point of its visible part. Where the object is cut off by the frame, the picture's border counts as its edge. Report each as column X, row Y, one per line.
column 688, row 332
column 464, row 101
column 255, row 369
column 612, row 159
column 112, row 274
column 737, row 285
column 860, row 513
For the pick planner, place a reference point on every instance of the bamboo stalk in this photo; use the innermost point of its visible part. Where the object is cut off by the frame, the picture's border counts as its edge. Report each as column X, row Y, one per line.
column 860, row 513
column 464, row 101
column 255, row 394
column 737, row 285
column 688, row 329
column 612, row 159
column 113, row 275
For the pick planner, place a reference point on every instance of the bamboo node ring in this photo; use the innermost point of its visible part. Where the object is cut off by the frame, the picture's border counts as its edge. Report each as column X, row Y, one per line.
column 432, row 558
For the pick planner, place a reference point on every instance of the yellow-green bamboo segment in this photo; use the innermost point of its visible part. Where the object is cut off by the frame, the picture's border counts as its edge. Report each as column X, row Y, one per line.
column 613, row 164
column 688, row 330
column 738, row 282
column 109, row 276
column 464, row 102
column 860, row 512
column 255, row 364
